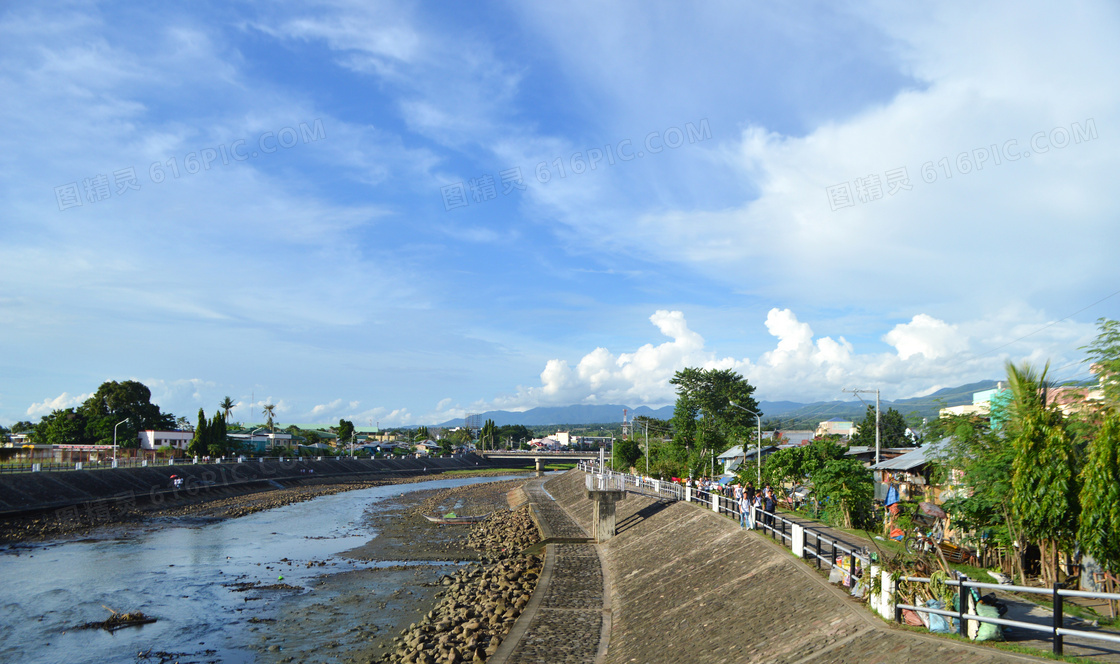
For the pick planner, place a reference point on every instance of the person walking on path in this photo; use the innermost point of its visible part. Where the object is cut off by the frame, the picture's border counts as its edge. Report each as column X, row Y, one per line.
column 744, row 510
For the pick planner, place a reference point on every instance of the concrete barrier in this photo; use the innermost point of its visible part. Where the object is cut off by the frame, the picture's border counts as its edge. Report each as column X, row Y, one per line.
column 29, row 493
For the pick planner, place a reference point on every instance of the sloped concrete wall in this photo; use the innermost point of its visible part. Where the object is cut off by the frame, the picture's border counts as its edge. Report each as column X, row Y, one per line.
column 29, row 492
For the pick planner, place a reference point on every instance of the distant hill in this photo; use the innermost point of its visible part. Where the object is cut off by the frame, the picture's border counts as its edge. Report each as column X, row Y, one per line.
column 787, row 414
column 582, row 414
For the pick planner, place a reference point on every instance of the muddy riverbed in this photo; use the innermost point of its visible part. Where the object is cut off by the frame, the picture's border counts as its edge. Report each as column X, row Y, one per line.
column 331, row 579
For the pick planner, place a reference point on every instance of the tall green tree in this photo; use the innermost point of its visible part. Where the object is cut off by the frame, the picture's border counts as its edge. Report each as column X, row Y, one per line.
column 218, row 444
column 985, row 459
column 113, row 402
column 489, row 435
column 200, row 442
column 1044, row 478
column 1099, row 531
column 626, row 452
column 61, row 427
column 848, row 487
column 345, row 431
column 892, row 429
column 421, row 434
column 704, row 419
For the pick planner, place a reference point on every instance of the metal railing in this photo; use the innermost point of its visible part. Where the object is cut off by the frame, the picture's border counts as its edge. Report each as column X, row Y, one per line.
column 778, row 527
column 1057, row 629
column 826, row 550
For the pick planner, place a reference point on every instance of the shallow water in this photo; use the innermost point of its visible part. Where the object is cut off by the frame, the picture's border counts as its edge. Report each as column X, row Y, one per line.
column 175, row 573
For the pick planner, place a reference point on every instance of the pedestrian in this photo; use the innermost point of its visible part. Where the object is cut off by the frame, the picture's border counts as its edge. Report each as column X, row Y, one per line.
column 769, row 505
column 744, row 510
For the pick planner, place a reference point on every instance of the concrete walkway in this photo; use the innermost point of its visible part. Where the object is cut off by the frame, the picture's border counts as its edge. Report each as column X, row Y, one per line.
column 567, row 620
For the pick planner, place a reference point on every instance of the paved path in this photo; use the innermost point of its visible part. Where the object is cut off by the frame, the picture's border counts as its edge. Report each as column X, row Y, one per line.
column 566, row 614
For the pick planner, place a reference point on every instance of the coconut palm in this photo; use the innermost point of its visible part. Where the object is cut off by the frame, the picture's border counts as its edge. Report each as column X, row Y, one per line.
column 226, row 405
column 269, row 410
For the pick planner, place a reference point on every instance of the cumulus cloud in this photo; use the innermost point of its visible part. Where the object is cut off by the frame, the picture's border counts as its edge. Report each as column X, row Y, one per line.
column 47, row 406
column 926, row 335
column 801, row 366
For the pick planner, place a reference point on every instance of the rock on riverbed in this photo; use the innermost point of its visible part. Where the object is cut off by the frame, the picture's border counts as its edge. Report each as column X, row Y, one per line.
column 480, row 602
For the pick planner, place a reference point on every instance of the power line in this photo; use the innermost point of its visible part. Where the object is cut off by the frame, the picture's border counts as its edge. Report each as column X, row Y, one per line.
column 1048, row 325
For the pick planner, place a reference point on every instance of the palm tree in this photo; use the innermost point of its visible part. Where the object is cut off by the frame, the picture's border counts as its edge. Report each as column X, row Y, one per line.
column 268, row 412
column 226, row 405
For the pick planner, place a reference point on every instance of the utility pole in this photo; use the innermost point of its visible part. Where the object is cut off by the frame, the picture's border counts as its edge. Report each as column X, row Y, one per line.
column 877, row 427
column 758, row 441
column 647, row 447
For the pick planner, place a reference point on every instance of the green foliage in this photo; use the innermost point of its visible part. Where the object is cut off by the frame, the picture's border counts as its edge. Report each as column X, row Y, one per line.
column 201, row 439
column 226, row 405
column 626, row 453
column 1105, row 354
column 848, row 487
column 514, row 433
column 892, row 429
column 704, row 421
column 269, row 411
column 1044, row 473
column 421, row 434
column 1099, row 532
column 345, row 431
column 488, row 435
column 61, row 427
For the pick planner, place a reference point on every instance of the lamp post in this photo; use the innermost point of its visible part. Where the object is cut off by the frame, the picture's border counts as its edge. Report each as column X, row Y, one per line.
column 254, row 433
column 758, row 420
column 115, row 440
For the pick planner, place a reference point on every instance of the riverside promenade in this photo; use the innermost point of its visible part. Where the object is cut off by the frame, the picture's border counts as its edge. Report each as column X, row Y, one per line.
column 682, row 584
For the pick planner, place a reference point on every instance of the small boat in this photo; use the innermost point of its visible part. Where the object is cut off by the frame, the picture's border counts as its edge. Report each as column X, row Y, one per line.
column 453, row 519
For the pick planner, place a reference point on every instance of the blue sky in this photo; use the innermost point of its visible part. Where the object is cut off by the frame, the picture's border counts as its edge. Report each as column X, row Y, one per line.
column 828, row 195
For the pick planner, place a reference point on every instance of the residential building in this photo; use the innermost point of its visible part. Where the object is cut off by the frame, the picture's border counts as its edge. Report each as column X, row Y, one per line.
column 836, row 426
column 153, row 440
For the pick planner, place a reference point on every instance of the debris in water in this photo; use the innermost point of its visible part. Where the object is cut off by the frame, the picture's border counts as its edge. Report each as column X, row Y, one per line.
column 119, row 620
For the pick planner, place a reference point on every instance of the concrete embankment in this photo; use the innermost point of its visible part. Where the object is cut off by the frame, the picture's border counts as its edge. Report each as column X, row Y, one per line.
column 688, row 585
column 29, row 493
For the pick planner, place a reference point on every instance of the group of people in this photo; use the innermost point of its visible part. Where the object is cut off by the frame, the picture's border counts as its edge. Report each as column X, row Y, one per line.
column 748, row 500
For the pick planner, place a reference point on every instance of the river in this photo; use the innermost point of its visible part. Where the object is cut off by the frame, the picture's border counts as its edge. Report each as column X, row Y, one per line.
column 176, row 572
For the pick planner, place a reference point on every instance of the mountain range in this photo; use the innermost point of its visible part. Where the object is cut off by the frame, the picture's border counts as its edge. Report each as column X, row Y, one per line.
column 786, row 414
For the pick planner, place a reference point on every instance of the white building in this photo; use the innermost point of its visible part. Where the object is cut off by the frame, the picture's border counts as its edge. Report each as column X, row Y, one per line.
column 153, row 440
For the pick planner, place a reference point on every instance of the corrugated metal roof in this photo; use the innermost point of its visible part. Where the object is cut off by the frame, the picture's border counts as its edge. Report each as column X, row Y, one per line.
column 918, row 457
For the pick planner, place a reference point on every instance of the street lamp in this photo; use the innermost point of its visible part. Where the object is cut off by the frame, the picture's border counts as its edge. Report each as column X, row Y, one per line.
column 115, row 440
column 254, row 433
column 759, row 450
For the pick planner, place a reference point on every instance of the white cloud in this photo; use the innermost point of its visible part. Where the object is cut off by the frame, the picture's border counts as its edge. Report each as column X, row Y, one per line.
column 926, row 335
column 801, row 366
column 47, row 406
